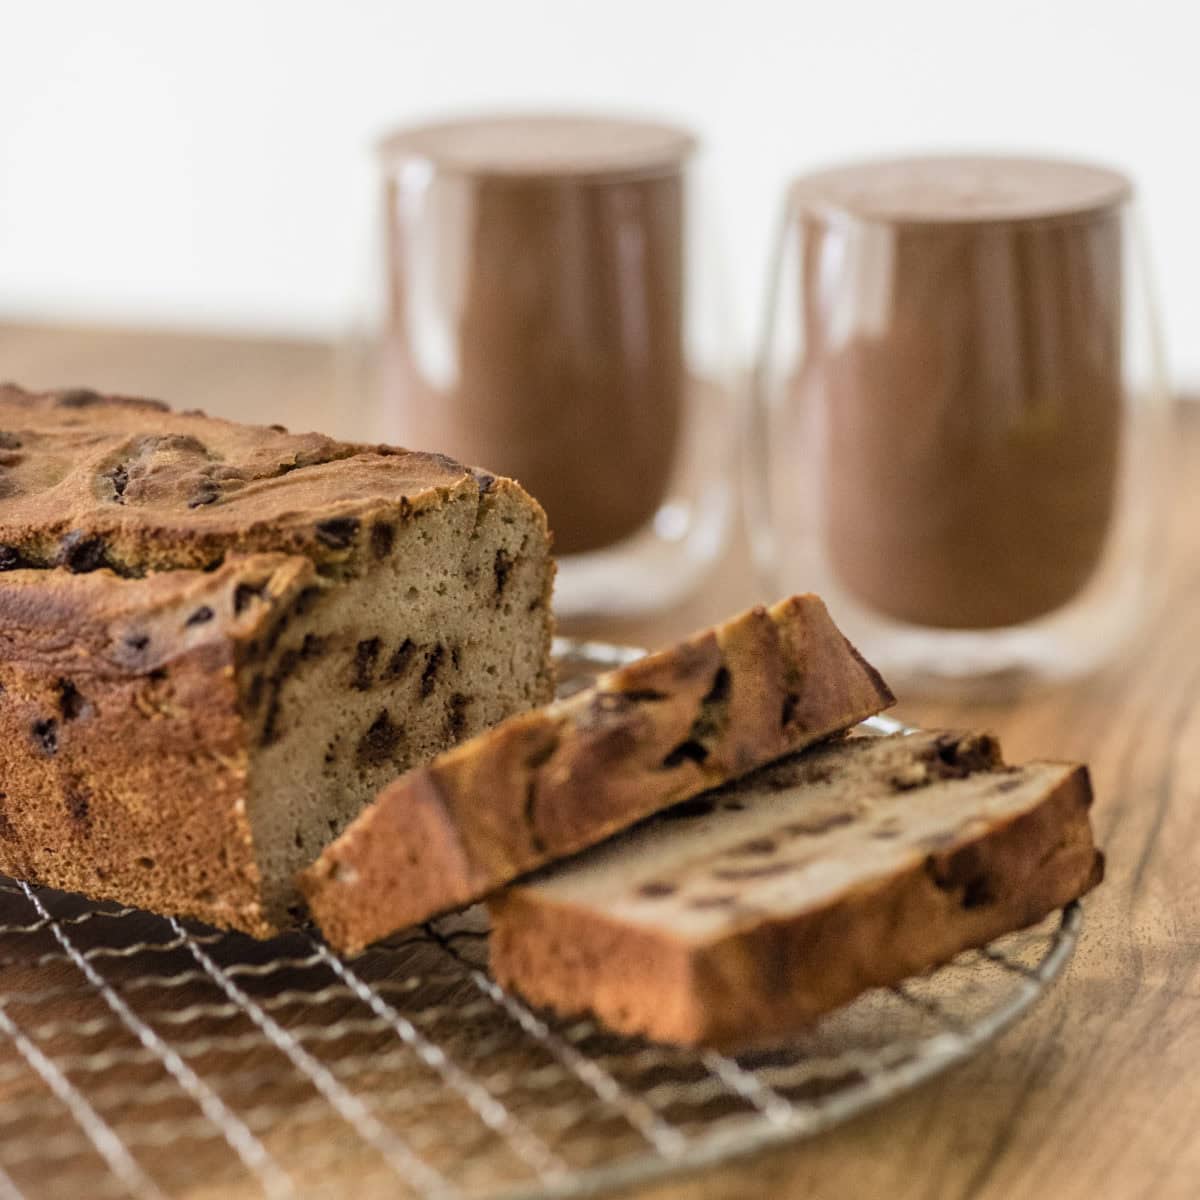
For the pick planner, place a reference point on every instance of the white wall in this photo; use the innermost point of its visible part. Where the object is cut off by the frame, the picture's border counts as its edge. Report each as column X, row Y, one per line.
column 208, row 164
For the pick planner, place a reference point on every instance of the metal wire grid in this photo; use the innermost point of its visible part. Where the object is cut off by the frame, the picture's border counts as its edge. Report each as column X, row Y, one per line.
column 146, row 1057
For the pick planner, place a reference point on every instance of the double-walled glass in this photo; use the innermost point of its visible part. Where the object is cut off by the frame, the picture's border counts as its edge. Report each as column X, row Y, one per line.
column 552, row 314
column 958, row 432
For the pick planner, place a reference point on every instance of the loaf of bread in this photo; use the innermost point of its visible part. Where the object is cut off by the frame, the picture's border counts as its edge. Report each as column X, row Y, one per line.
column 218, row 641
column 742, row 915
column 550, row 782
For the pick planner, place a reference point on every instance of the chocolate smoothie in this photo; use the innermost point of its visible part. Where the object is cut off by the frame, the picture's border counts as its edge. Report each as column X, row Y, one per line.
column 536, row 308
column 963, row 341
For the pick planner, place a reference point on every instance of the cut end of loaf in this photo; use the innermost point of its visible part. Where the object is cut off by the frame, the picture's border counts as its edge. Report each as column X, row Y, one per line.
column 443, row 635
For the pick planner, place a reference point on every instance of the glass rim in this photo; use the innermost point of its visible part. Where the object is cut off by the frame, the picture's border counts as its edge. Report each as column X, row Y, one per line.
column 1056, row 191
column 652, row 149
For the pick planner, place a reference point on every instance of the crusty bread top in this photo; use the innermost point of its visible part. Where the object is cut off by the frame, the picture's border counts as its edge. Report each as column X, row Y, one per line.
column 798, row 834
column 88, row 481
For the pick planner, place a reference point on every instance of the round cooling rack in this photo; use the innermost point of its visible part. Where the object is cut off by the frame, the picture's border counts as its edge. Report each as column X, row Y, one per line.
column 147, row 1057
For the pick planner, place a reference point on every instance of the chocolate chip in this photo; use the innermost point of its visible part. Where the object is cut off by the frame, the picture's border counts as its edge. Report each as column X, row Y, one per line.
column 137, row 641
column 11, row 558
column 270, row 727
column 429, row 674
column 645, row 695
column 119, row 478
column 816, row 772
column 337, row 532
column 687, row 751
column 81, row 553
column 200, row 616
column 485, row 479
column 502, row 566
column 697, row 807
column 816, row 825
column 763, row 871
column 312, row 646
column 958, row 755
column 70, row 701
column 379, row 743
column 657, row 888
column 720, row 687
column 208, row 491
column 288, row 661
column 278, row 428
column 9, row 441
column 366, row 653
column 383, row 539
column 763, row 845
column 456, row 716
column 401, row 659
column 78, row 398
column 45, row 733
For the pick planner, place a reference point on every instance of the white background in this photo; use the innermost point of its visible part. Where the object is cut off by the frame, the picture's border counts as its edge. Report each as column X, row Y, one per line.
column 208, row 165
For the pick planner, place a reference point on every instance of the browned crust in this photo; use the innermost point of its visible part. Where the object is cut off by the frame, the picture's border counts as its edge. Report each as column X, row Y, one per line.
column 88, row 480
column 551, row 782
column 773, row 978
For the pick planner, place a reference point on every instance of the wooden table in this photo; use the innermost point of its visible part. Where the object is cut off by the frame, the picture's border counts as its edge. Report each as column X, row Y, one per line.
column 1097, row 1094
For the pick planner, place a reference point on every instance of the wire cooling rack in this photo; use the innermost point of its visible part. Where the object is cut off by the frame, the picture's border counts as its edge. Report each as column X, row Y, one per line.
column 149, row 1057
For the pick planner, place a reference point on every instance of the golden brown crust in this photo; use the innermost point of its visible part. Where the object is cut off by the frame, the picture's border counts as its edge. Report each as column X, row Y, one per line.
column 88, row 481
column 771, row 977
column 553, row 781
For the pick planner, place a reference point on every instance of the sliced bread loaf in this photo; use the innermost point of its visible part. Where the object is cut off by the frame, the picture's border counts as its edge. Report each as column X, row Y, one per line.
column 550, row 782
column 744, row 914
column 218, row 641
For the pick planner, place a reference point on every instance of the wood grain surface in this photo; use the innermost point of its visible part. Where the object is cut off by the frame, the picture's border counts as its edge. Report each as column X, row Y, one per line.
column 1097, row 1094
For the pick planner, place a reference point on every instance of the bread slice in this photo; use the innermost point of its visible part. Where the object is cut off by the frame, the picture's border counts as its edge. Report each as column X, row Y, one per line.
column 217, row 642
column 550, row 782
column 743, row 915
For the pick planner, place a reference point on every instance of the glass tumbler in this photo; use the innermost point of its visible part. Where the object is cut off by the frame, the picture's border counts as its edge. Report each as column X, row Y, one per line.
column 552, row 313
column 958, row 428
